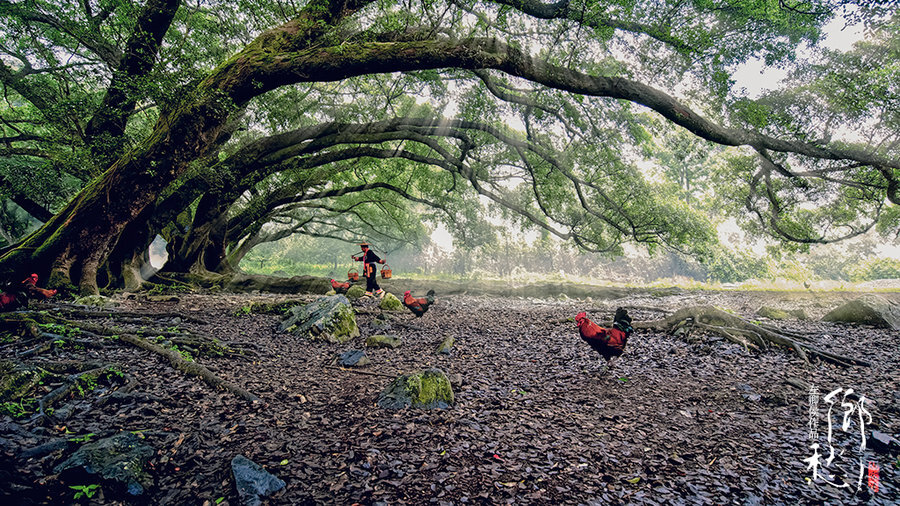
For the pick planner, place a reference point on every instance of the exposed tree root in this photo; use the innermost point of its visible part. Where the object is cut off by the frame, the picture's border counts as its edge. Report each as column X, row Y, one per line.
column 71, row 384
column 190, row 368
column 743, row 332
column 77, row 312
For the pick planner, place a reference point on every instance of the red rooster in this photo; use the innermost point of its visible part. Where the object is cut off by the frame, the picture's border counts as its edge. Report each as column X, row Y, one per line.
column 340, row 287
column 609, row 343
column 15, row 297
column 418, row 305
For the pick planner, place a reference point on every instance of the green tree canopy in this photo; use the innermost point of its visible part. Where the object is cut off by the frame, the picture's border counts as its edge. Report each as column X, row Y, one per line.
column 223, row 123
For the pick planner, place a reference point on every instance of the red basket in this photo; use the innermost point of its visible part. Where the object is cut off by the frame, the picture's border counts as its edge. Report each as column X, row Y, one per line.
column 386, row 272
column 353, row 275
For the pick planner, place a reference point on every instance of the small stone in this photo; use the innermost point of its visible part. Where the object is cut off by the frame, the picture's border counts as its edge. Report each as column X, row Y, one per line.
column 881, row 442
column 252, row 481
column 383, row 341
column 353, row 358
column 445, row 346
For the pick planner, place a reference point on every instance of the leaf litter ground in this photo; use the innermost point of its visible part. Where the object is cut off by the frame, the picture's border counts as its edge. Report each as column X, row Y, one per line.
column 697, row 421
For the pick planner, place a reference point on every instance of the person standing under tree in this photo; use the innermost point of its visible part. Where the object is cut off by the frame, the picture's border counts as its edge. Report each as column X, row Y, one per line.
column 369, row 259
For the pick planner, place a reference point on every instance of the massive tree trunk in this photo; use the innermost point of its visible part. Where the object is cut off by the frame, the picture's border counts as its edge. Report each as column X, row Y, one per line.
column 73, row 244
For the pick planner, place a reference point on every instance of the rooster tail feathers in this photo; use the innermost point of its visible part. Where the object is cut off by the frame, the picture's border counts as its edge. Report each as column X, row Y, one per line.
column 430, row 296
column 622, row 316
column 430, row 292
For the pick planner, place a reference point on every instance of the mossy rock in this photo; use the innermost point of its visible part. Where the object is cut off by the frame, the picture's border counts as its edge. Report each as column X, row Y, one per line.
column 121, row 458
column 355, row 292
column 327, row 319
column 96, row 301
column 383, row 341
column 773, row 313
column 428, row 389
column 18, row 380
column 872, row 310
column 390, row 302
column 445, row 346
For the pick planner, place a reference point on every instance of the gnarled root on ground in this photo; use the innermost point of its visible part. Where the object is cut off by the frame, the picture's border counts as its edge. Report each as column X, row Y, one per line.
column 745, row 333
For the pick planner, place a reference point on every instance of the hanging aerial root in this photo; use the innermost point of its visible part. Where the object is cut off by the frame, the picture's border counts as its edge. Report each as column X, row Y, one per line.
column 743, row 332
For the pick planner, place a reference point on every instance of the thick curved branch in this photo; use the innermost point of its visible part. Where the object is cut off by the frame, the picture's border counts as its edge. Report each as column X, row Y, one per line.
column 488, row 53
column 122, row 95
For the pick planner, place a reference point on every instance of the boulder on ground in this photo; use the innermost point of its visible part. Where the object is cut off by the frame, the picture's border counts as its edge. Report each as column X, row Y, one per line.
column 353, row 358
column 390, row 302
column 872, row 310
column 121, row 458
column 383, row 341
column 252, row 481
column 327, row 318
column 428, row 389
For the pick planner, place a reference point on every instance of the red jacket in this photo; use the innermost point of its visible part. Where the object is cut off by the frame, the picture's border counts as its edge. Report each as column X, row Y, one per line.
column 607, row 342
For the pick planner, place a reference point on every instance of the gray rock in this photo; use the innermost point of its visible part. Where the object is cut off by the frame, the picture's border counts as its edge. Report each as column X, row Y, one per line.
column 428, row 389
column 122, row 458
column 328, row 319
column 252, row 481
column 881, row 442
column 353, row 358
column 872, row 310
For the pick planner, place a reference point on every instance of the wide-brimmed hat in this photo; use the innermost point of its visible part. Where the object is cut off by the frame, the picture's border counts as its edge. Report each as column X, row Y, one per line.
column 363, row 245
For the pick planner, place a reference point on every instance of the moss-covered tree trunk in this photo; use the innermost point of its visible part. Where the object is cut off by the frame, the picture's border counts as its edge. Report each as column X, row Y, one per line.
column 72, row 245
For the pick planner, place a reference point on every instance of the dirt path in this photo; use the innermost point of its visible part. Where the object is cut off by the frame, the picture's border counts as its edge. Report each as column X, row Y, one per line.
column 699, row 422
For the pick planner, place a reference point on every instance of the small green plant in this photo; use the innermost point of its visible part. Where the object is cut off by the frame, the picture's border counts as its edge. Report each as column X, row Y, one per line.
column 219, row 500
column 85, row 490
column 82, row 439
column 243, row 311
column 85, row 384
column 184, row 353
column 13, row 409
column 57, row 328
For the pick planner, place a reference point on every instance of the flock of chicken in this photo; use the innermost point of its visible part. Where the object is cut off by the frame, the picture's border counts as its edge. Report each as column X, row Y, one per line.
column 608, row 342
